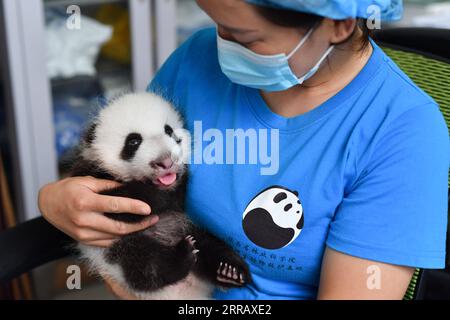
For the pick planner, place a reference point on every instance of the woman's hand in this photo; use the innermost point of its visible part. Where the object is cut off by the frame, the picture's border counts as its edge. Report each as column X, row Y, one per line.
column 74, row 206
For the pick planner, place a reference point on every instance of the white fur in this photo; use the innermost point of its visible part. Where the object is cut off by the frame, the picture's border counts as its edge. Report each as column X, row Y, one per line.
column 142, row 113
column 146, row 114
column 190, row 288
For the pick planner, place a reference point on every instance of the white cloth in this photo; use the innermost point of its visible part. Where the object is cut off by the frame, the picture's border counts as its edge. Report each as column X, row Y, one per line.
column 72, row 52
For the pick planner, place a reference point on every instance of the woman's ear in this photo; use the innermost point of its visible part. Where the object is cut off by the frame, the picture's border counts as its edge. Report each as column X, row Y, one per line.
column 341, row 30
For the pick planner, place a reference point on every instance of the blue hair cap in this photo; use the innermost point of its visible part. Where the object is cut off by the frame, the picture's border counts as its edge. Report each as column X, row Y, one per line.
column 387, row 10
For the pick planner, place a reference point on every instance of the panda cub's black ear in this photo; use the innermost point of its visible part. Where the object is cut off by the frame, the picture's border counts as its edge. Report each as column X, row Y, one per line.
column 89, row 135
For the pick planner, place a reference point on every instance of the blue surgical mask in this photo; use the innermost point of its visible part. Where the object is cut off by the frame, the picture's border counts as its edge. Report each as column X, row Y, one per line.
column 264, row 72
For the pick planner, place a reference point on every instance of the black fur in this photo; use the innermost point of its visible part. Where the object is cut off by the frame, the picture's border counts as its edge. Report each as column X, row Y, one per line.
column 150, row 265
column 82, row 167
column 168, row 130
column 89, row 136
column 131, row 145
column 159, row 256
column 161, row 201
column 212, row 252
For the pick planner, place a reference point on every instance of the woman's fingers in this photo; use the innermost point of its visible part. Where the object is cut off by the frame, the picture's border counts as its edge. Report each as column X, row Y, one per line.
column 97, row 230
column 98, row 185
column 74, row 206
column 100, row 243
column 88, row 235
column 102, row 203
column 98, row 221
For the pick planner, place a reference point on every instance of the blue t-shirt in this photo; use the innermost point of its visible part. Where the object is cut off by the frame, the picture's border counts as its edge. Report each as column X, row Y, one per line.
column 365, row 173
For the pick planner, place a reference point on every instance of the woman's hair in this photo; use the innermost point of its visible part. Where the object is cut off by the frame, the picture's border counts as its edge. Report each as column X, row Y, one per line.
column 295, row 19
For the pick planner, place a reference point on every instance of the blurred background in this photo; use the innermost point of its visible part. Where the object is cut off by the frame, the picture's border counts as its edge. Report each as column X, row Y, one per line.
column 60, row 60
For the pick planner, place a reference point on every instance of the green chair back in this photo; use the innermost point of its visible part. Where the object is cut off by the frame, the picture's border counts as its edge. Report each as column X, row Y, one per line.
column 433, row 77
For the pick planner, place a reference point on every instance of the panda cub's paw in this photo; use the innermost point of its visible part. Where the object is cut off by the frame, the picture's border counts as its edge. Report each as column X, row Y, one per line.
column 186, row 252
column 232, row 275
column 191, row 241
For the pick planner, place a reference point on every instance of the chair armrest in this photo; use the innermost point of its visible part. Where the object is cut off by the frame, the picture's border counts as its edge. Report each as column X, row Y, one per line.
column 29, row 245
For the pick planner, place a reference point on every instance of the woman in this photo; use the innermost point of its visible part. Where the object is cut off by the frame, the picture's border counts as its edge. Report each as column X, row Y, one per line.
column 364, row 149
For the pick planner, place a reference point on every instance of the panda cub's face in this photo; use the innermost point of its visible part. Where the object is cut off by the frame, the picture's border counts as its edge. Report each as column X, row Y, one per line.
column 139, row 137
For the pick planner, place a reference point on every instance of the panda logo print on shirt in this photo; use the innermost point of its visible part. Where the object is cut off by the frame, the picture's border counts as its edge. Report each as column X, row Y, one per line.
column 274, row 218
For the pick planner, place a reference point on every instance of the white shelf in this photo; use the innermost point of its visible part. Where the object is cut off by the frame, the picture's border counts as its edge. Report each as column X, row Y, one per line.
column 30, row 93
column 30, row 88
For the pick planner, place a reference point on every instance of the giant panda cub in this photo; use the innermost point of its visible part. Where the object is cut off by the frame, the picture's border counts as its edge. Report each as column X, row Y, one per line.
column 139, row 140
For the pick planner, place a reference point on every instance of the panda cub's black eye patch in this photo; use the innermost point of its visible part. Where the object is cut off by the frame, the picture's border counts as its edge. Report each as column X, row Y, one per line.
column 169, row 131
column 131, row 145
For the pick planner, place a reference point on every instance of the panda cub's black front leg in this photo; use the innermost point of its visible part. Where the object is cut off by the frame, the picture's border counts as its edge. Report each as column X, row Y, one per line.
column 134, row 190
column 148, row 265
column 218, row 262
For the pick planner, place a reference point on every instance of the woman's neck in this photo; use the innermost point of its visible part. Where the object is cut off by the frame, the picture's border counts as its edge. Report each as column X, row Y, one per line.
column 342, row 66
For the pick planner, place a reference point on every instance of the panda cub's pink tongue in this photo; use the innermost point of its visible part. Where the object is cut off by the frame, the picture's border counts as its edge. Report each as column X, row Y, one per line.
column 168, row 179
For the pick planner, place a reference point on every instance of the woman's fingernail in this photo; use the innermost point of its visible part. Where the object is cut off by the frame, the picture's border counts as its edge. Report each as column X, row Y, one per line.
column 145, row 209
column 154, row 219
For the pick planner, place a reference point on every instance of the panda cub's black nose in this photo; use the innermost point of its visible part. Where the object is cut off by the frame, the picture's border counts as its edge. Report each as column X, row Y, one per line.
column 164, row 164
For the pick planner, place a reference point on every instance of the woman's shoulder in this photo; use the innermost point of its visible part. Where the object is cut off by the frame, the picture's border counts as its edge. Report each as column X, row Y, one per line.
column 393, row 115
column 390, row 99
column 413, row 109
column 403, row 93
